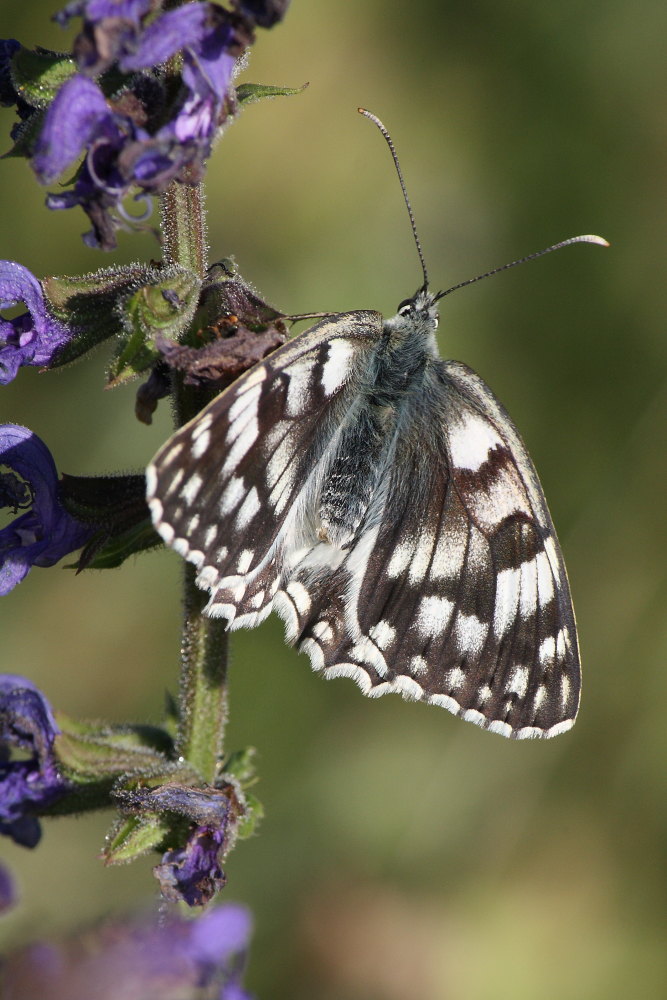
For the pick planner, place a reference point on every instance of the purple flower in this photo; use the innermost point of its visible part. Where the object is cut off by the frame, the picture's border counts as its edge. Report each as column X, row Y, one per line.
column 170, row 958
column 33, row 337
column 8, row 893
column 193, row 873
column 46, row 533
column 28, row 784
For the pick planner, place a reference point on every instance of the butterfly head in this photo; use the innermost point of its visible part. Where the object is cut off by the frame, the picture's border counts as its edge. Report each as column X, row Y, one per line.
column 416, row 319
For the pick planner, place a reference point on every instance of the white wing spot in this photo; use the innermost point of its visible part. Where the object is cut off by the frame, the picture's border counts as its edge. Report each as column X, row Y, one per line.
column 382, row 634
column 540, row 696
column 175, row 482
column 200, row 443
column 518, row 682
column 564, row 690
column 208, row 577
column 299, row 377
column 507, row 599
column 547, row 651
column 322, row 630
column 418, row 665
column 257, row 599
column 484, row 694
column 336, row 368
column 231, row 497
column 300, row 596
column 469, row 633
column 433, row 616
column 192, row 487
column 247, row 400
column 210, row 536
column 455, row 679
column 241, row 446
column 400, row 560
column 244, row 560
column 247, row 510
column 471, row 440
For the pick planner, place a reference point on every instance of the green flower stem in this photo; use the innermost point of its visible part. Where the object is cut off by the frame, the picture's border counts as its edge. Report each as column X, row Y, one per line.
column 182, row 227
column 203, row 691
column 203, row 683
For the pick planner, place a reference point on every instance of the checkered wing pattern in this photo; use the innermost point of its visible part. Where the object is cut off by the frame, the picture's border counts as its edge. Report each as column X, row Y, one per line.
column 458, row 596
column 229, row 491
column 381, row 501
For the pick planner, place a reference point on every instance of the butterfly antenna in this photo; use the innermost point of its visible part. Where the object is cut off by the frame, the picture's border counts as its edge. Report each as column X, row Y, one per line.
column 392, row 149
column 522, row 260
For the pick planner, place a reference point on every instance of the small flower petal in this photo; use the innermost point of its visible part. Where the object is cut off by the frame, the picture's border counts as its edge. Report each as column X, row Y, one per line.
column 47, row 532
column 27, row 785
column 33, row 337
column 167, row 35
column 78, row 113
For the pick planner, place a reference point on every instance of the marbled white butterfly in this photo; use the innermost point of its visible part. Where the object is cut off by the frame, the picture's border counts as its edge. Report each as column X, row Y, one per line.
column 382, row 502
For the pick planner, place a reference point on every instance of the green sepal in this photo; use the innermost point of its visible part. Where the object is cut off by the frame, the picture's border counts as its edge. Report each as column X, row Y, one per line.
column 113, row 552
column 132, row 836
column 241, row 765
column 38, row 74
column 116, row 506
column 254, row 814
column 83, row 758
column 150, row 312
column 93, row 750
column 25, row 136
column 91, row 305
column 248, row 93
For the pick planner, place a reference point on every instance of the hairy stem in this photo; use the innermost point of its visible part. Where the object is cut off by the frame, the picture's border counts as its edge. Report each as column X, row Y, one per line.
column 203, row 682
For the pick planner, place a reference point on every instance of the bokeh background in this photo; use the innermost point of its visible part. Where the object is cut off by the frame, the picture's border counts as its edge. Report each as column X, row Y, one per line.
column 406, row 855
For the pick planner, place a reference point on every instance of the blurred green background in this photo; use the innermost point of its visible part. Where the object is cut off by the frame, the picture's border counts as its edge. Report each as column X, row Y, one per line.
column 406, row 855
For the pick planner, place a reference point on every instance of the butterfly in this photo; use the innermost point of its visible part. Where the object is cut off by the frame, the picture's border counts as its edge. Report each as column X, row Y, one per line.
column 381, row 501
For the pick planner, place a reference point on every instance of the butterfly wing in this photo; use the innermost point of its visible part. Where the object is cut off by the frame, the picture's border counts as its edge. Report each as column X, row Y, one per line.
column 457, row 595
column 228, row 491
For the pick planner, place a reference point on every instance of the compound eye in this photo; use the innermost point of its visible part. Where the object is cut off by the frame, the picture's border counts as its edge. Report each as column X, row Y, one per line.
column 406, row 307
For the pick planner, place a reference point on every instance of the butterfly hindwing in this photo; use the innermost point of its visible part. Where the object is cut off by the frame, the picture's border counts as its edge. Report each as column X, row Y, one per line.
column 458, row 596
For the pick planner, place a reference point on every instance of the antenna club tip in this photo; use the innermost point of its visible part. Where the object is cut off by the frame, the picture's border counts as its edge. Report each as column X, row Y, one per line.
column 600, row 240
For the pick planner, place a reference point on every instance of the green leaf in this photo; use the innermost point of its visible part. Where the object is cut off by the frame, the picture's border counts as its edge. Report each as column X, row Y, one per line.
column 163, row 307
column 132, row 836
column 248, row 93
column 91, row 305
column 39, row 74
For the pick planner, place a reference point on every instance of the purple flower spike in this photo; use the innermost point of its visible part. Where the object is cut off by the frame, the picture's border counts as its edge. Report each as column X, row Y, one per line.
column 169, row 958
column 33, row 337
column 27, row 785
column 45, row 533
